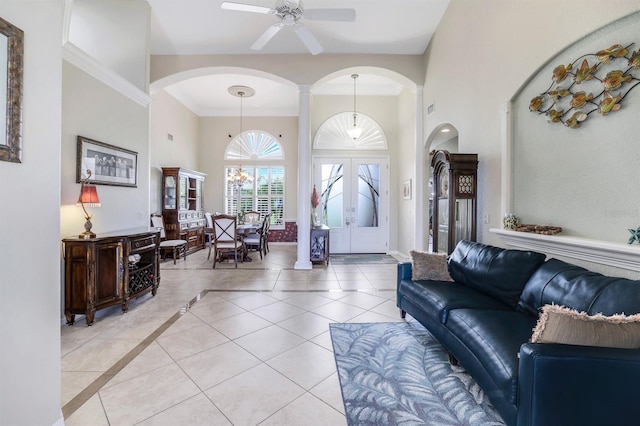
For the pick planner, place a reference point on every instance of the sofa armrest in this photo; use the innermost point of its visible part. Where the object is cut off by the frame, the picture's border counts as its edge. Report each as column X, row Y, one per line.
column 404, row 273
column 577, row 385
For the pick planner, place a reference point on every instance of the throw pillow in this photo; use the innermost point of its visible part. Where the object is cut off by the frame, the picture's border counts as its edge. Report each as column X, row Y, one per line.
column 558, row 324
column 429, row 266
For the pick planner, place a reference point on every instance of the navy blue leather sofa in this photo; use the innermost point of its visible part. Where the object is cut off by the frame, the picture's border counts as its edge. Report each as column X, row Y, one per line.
column 485, row 320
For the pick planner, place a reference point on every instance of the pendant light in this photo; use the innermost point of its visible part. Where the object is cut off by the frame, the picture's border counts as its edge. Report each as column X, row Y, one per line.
column 355, row 132
column 239, row 176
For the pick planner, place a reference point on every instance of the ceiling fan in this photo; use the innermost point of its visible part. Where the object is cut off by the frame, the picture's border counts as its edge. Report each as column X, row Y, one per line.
column 291, row 13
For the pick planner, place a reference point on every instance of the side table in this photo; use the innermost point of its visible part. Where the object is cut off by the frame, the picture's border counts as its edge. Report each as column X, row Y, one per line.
column 320, row 244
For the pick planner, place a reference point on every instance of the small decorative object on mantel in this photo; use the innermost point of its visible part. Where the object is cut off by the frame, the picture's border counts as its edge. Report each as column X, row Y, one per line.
column 599, row 83
column 635, row 236
column 539, row 229
column 315, row 202
column 510, row 221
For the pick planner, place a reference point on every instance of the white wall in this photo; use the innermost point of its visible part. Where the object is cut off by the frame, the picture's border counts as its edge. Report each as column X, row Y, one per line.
column 481, row 54
column 29, row 230
column 111, row 32
column 404, row 168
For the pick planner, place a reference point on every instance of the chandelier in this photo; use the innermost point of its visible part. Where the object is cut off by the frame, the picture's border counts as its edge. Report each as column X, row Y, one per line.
column 355, row 132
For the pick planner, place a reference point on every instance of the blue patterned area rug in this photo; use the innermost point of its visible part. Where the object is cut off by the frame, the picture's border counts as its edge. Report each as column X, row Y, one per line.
column 398, row 374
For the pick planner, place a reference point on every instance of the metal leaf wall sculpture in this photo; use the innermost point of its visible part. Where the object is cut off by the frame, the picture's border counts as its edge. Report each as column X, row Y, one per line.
column 595, row 82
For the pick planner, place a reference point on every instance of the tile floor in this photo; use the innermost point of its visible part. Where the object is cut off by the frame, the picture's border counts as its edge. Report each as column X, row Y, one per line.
column 228, row 346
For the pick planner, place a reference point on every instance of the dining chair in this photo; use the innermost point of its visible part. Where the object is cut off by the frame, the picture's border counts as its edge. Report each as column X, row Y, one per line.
column 251, row 216
column 225, row 238
column 265, row 233
column 176, row 247
column 208, row 232
column 255, row 240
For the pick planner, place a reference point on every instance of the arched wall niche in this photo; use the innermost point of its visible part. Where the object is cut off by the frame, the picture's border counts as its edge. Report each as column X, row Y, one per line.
column 583, row 180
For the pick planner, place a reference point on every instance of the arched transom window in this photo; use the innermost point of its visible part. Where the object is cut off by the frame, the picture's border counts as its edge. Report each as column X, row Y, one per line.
column 333, row 133
column 251, row 182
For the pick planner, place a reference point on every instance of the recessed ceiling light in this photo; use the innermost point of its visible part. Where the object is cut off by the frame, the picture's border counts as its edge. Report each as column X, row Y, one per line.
column 445, row 130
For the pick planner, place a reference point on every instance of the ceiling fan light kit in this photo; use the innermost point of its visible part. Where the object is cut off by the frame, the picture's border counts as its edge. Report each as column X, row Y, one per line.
column 291, row 13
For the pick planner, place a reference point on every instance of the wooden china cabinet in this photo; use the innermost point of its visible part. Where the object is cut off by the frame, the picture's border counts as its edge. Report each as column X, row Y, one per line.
column 183, row 206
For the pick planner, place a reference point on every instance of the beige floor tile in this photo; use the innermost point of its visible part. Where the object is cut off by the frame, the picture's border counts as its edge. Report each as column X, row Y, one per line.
column 307, row 364
column 388, row 308
column 269, row 342
column 308, row 300
column 215, row 311
column 148, row 394
column 253, row 300
column 191, row 341
column 306, row 410
column 73, row 382
column 376, row 317
column 195, row 411
column 362, row 300
column 307, row 325
column 278, row 311
column 151, row 358
column 213, row 366
column 338, row 311
column 97, row 354
column 323, row 340
column 329, row 391
column 269, row 390
column 91, row 413
column 240, row 325
column 360, row 284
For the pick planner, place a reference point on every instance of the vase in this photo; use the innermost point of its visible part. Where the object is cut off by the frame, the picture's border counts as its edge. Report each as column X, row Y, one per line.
column 510, row 221
column 315, row 220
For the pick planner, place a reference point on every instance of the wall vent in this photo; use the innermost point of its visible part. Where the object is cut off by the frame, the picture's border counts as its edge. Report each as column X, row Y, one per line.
column 430, row 109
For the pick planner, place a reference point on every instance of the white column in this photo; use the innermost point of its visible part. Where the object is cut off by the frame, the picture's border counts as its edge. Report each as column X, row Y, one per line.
column 420, row 185
column 304, row 178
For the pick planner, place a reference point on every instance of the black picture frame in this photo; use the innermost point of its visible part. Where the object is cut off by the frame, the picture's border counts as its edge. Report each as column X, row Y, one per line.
column 109, row 164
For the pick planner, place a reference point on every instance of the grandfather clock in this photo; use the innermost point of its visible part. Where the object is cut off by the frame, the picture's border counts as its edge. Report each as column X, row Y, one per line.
column 455, row 199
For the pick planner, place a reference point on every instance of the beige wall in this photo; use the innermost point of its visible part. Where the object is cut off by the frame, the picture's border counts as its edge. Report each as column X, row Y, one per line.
column 584, row 179
column 29, row 230
column 93, row 110
column 214, row 139
column 167, row 116
column 481, row 54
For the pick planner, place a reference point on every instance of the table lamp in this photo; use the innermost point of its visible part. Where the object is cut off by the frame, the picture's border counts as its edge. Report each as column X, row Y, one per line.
column 88, row 197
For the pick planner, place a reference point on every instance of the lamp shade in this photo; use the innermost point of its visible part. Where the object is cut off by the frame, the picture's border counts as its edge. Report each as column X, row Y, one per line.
column 89, row 196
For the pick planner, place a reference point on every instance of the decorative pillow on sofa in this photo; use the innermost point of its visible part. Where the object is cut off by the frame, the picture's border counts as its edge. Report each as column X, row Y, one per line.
column 429, row 266
column 558, row 324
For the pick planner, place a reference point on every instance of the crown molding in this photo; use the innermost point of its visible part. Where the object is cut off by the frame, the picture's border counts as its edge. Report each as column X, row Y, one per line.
column 78, row 57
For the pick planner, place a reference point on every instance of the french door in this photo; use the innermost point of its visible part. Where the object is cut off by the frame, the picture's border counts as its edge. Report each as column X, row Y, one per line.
column 354, row 202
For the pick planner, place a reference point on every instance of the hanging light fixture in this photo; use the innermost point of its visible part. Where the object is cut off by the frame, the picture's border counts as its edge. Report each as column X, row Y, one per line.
column 238, row 176
column 355, row 132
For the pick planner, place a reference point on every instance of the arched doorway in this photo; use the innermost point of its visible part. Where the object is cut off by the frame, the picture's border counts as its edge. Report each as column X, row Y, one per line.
column 442, row 138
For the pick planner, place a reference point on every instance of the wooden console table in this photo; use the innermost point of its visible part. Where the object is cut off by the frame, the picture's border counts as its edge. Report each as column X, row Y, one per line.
column 99, row 272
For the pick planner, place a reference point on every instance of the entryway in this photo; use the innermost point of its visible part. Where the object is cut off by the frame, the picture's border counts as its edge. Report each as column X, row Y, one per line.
column 354, row 201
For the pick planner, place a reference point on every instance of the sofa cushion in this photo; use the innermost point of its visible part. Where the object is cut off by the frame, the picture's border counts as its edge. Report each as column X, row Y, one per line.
column 498, row 272
column 493, row 339
column 429, row 266
column 560, row 283
column 437, row 298
column 558, row 324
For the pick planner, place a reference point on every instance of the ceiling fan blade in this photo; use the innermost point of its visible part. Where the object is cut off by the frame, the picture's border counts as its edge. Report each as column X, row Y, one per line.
column 342, row 15
column 308, row 39
column 266, row 36
column 247, row 8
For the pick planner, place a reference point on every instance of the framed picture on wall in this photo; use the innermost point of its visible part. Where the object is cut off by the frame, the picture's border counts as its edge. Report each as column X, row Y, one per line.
column 109, row 165
column 406, row 189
